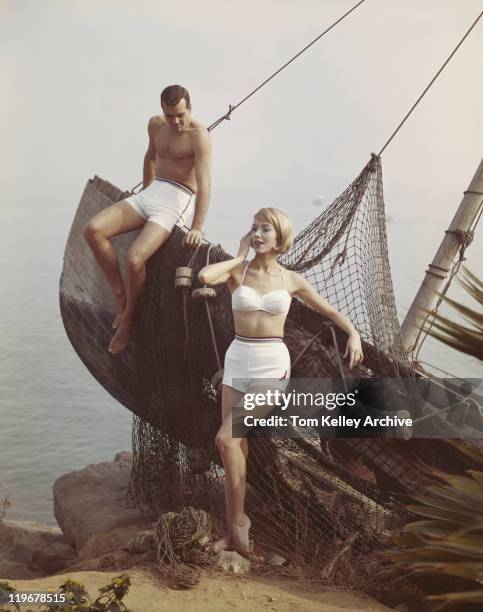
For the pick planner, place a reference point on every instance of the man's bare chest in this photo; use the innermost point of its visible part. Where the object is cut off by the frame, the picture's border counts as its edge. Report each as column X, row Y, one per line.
column 175, row 147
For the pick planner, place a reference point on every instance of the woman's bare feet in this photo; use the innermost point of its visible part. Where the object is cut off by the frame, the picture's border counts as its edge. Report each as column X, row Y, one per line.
column 224, row 544
column 121, row 337
column 239, row 533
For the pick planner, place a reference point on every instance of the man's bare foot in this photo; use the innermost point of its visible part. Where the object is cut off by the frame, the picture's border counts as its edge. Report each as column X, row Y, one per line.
column 223, row 544
column 121, row 337
column 120, row 306
column 239, row 536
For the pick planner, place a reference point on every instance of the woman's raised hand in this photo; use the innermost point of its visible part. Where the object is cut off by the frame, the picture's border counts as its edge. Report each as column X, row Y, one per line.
column 245, row 244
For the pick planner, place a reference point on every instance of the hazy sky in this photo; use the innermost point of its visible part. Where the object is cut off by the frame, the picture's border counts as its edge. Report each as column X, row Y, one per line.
column 80, row 80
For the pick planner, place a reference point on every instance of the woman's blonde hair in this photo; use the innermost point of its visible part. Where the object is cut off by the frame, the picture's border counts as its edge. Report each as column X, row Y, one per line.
column 281, row 223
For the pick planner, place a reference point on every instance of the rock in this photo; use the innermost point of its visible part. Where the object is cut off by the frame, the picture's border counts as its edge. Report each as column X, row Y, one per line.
column 231, row 561
column 55, row 558
column 30, row 549
column 93, row 501
column 276, row 560
column 90, row 508
column 121, row 538
column 13, row 570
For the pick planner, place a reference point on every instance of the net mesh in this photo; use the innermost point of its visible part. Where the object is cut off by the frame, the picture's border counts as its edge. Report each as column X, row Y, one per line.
column 302, row 495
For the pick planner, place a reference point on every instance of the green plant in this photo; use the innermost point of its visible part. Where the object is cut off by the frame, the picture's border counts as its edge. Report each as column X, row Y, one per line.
column 77, row 597
column 5, row 590
column 112, row 594
column 449, row 537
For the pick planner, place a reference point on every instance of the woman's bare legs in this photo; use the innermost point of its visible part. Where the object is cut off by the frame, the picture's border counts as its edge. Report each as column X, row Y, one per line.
column 234, row 453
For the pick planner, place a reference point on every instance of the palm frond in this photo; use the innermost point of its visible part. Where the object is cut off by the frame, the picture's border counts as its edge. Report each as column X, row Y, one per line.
column 468, row 340
column 447, row 537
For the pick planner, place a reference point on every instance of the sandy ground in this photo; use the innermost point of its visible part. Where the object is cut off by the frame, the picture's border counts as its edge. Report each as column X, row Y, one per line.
column 217, row 593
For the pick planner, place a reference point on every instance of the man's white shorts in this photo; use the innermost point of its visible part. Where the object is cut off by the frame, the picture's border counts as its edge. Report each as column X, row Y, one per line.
column 164, row 202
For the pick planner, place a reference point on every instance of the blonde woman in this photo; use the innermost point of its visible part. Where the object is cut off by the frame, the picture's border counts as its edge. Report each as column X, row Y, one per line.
column 261, row 293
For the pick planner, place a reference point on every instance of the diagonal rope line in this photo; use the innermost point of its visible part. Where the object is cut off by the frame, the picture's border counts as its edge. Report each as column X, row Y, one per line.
column 232, row 108
column 430, row 83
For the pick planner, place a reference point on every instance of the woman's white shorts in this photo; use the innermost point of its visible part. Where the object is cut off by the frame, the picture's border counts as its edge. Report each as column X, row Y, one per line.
column 256, row 361
column 164, row 202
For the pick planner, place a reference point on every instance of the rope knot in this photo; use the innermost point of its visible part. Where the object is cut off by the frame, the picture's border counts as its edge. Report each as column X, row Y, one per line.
column 231, row 108
column 465, row 238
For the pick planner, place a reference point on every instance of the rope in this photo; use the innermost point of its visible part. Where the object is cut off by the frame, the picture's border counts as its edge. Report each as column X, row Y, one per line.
column 433, row 313
column 208, row 313
column 478, row 215
column 185, row 322
column 430, row 83
column 133, row 190
column 185, row 304
column 193, row 257
column 431, row 365
column 464, row 400
column 445, row 270
column 336, row 349
column 339, row 360
column 232, row 108
column 465, row 238
column 306, row 347
column 439, row 412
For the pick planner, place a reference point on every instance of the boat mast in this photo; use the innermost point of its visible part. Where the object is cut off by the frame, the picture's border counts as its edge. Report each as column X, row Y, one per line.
column 440, row 267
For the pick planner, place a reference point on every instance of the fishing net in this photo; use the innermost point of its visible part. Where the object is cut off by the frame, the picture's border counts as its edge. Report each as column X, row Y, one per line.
column 302, row 495
column 180, row 544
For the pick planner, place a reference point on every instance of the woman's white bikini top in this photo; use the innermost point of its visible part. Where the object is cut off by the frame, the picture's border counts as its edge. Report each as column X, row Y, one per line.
column 275, row 302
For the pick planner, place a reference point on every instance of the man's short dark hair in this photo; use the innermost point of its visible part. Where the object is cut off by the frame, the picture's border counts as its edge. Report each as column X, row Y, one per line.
column 173, row 94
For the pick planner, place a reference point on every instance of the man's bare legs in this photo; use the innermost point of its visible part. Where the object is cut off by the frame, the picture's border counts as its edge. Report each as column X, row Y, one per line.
column 116, row 219
column 234, row 453
column 146, row 244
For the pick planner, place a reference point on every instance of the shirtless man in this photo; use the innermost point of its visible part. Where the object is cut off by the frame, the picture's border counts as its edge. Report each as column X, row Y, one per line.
column 177, row 166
